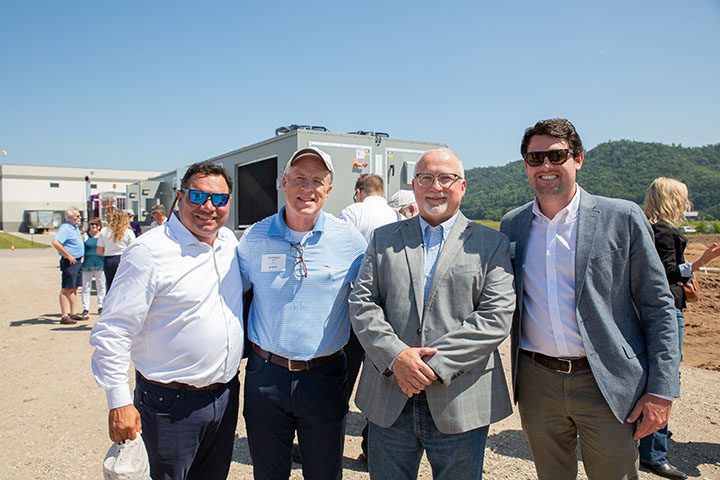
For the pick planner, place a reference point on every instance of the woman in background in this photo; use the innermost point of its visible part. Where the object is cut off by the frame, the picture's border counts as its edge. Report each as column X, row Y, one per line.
column 113, row 241
column 92, row 268
column 666, row 202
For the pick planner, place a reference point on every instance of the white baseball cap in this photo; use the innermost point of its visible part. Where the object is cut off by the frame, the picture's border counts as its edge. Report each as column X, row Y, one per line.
column 401, row 198
column 315, row 152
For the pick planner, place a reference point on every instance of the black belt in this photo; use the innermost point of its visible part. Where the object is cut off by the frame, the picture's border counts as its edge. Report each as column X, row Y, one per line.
column 295, row 365
column 183, row 386
column 562, row 365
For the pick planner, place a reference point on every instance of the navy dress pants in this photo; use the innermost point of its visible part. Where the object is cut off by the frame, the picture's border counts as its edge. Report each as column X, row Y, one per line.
column 279, row 402
column 188, row 434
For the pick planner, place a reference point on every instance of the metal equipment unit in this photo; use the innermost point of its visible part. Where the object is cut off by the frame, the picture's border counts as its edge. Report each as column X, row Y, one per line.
column 257, row 169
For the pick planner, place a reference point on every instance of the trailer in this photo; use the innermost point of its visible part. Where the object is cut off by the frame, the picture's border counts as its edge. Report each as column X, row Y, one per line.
column 257, row 169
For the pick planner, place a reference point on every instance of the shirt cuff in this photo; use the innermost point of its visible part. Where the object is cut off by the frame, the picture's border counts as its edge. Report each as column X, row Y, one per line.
column 118, row 397
column 685, row 270
column 664, row 397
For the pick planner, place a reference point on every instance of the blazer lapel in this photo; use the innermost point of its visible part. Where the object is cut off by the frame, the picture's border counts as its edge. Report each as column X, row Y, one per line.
column 455, row 240
column 588, row 221
column 413, row 242
column 520, row 235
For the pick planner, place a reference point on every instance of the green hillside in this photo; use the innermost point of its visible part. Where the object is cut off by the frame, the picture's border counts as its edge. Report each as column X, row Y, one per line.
column 621, row 169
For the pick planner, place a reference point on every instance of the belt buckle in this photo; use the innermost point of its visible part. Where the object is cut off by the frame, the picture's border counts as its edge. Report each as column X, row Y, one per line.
column 569, row 364
column 291, row 368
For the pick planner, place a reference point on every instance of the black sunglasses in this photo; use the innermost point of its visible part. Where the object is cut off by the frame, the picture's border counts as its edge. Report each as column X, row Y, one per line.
column 556, row 157
column 198, row 197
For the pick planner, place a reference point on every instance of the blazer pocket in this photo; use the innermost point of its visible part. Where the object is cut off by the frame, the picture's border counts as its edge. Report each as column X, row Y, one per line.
column 465, row 268
column 600, row 255
column 632, row 352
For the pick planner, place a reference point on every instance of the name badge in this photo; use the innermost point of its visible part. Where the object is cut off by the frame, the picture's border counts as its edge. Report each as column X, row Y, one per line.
column 273, row 262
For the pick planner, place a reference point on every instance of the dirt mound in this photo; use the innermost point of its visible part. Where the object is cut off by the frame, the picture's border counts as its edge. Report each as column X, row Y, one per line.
column 702, row 325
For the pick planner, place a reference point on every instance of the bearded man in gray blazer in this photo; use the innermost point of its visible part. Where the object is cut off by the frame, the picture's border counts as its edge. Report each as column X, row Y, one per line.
column 594, row 339
column 433, row 300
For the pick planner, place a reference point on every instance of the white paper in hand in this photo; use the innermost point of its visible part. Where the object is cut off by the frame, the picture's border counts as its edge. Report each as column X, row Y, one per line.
column 127, row 461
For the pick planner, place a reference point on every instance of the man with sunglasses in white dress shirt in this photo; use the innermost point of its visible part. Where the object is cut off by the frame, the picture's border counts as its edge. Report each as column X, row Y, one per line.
column 594, row 339
column 300, row 264
column 175, row 311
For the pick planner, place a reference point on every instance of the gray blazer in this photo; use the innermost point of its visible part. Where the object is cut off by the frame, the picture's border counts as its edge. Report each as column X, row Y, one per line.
column 468, row 313
column 624, row 308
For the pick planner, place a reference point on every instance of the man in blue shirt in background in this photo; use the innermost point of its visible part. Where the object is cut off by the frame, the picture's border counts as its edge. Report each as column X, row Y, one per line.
column 69, row 244
column 300, row 263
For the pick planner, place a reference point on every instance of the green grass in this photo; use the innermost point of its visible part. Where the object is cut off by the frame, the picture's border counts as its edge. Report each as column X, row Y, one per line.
column 6, row 240
column 489, row 223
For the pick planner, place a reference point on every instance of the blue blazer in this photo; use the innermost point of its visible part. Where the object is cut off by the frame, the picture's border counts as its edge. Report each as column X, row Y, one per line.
column 624, row 308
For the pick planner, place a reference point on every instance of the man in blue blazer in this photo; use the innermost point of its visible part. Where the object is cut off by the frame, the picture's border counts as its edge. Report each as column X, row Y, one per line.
column 594, row 337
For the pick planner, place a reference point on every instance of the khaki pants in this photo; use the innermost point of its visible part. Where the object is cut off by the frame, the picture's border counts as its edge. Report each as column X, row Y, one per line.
column 557, row 408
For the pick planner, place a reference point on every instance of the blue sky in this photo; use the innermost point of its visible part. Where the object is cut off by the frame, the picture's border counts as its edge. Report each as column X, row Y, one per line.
column 159, row 84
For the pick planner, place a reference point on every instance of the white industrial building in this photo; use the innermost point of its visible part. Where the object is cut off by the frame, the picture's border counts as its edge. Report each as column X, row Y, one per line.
column 33, row 188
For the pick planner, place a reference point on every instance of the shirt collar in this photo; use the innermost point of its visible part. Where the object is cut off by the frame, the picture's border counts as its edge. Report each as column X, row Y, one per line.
column 566, row 215
column 446, row 225
column 374, row 199
column 278, row 227
column 185, row 236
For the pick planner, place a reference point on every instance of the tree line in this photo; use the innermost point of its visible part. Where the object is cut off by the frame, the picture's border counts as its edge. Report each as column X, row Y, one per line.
column 620, row 169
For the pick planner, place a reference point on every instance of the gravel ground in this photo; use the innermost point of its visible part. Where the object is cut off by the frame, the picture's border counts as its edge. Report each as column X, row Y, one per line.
column 55, row 421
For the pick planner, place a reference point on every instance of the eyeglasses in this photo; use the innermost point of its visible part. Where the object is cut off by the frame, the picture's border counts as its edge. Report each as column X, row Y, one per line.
column 198, row 197
column 444, row 179
column 556, row 157
column 299, row 269
column 356, row 194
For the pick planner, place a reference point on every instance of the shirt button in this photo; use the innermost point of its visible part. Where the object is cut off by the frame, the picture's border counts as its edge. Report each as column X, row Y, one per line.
column 419, row 331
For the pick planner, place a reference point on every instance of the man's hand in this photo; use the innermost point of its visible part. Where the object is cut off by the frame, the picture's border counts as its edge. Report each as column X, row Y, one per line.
column 71, row 259
column 124, row 423
column 655, row 412
column 412, row 374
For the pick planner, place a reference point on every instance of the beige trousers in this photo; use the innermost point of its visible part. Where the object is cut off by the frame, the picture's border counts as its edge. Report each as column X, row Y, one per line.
column 556, row 409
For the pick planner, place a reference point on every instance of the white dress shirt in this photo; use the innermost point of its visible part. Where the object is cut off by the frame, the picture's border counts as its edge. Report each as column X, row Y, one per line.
column 549, row 323
column 371, row 213
column 175, row 310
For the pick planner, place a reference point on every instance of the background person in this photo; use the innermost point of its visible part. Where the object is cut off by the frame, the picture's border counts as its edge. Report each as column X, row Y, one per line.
column 113, row 241
column 137, row 230
column 157, row 212
column 594, row 342
column 92, row 269
column 300, row 264
column 370, row 209
column 432, row 303
column 69, row 244
column 176, row 314
column 403, row 201
column 666, row 202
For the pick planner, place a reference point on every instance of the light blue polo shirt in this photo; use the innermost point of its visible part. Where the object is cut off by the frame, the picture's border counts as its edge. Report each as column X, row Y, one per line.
column 294, row 317
column 69, row 236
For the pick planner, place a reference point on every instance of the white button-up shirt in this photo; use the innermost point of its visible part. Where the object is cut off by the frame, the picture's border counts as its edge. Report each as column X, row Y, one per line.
column 174, row 309
column 371, row 213
column 549, row 323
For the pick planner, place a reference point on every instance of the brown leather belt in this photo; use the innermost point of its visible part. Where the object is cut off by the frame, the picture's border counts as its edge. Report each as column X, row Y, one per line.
column 184, row 386
column 562, row 365
column 294, row 365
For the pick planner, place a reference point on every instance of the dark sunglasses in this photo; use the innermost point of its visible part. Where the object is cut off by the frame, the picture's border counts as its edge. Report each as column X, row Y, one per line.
column 198, row 197
column 556, row 157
